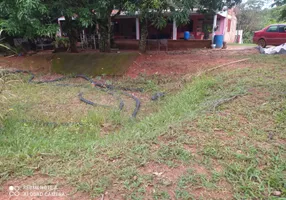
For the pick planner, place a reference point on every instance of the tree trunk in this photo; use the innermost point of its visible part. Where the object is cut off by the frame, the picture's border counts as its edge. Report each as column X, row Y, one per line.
column 73, row 41
column 143, row 36
column 71, row 30
column 105, row 34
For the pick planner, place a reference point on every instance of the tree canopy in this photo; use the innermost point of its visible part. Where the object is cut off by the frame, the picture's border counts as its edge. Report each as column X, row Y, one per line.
column 26, row 18
column 211, row 6
column 33, row 18
column 282, row 4
column 279, row 2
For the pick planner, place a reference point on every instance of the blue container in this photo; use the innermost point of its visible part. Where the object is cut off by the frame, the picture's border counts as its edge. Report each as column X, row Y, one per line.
column 218, row 41
column 186, row 35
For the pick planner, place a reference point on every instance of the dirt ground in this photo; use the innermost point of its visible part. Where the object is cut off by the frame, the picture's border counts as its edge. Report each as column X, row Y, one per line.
column 175, row 63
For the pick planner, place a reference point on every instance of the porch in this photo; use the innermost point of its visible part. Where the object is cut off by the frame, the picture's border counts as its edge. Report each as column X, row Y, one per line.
column 163, row 44
column 126, row 30
column 200, row 27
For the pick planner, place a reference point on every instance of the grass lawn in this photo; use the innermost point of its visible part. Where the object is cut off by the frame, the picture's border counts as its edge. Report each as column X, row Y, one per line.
column 189, row 145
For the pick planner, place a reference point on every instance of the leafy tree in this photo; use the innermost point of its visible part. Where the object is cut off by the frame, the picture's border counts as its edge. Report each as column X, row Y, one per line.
column 250, row 15
column 211, row 6
column 103, row 14
column 281, row 3
column 253, row 17
column 33, row 18
column 273, row 16
column 254, row 4
column 83, row 13
column 27, row 18
column 77, row 15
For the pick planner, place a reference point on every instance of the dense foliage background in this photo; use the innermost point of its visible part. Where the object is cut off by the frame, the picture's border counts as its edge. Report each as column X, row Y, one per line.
column 253, row 16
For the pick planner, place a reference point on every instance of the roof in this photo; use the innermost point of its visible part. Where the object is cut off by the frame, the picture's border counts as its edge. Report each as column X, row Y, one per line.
column 125, row 14
column 278, row 24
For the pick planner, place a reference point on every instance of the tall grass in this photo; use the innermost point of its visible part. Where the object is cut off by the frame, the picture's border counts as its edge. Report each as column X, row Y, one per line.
column 25, row 140
column 6, row 85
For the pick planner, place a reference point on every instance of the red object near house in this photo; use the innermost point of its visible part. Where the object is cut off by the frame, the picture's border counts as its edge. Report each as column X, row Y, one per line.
column 228, row 25
column 271, row 35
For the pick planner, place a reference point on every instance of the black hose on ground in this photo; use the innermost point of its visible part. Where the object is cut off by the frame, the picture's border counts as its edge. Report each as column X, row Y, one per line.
column 112, row 87
column 137, row 103
column 109, row 88
column 80, row 95
column 81, row 98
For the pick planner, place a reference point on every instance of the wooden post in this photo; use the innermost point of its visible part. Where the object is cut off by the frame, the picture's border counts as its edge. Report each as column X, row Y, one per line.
column 97, row 31
column 60, row 28
column 214, row 27
column 174, row 30
column 137, row 29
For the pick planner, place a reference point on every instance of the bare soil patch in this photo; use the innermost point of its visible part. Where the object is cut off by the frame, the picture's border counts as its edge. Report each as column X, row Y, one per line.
column 178, row 63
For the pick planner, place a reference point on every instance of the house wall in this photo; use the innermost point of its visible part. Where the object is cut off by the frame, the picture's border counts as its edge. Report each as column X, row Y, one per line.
column 164, row 33
column 230, row 32
column 221, row 22
column 125, row 27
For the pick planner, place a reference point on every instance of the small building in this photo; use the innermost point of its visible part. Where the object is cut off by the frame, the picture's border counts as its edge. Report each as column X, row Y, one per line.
column 126, row 30
column 200, row 26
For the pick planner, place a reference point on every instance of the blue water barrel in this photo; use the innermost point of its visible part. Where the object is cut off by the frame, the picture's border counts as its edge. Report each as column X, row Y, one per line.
column 186, row 35
column 218, row 40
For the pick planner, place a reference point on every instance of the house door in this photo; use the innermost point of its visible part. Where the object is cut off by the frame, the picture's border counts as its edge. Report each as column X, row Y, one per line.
column 282, row 34
column 272, row 35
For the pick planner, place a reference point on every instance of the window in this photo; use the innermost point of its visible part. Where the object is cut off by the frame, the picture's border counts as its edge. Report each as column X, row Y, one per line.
column 272, row 29
column 282, row 29
column 228, row 25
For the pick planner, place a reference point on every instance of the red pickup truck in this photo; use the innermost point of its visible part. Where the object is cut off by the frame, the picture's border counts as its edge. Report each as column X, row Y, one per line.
column 271, row 35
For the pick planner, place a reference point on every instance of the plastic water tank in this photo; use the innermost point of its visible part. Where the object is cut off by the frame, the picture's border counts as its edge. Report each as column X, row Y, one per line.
column 187, row 35
column 218, row 40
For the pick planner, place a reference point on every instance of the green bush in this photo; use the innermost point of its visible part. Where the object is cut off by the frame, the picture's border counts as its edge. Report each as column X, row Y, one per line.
column 62, row 42
column 247, row 37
